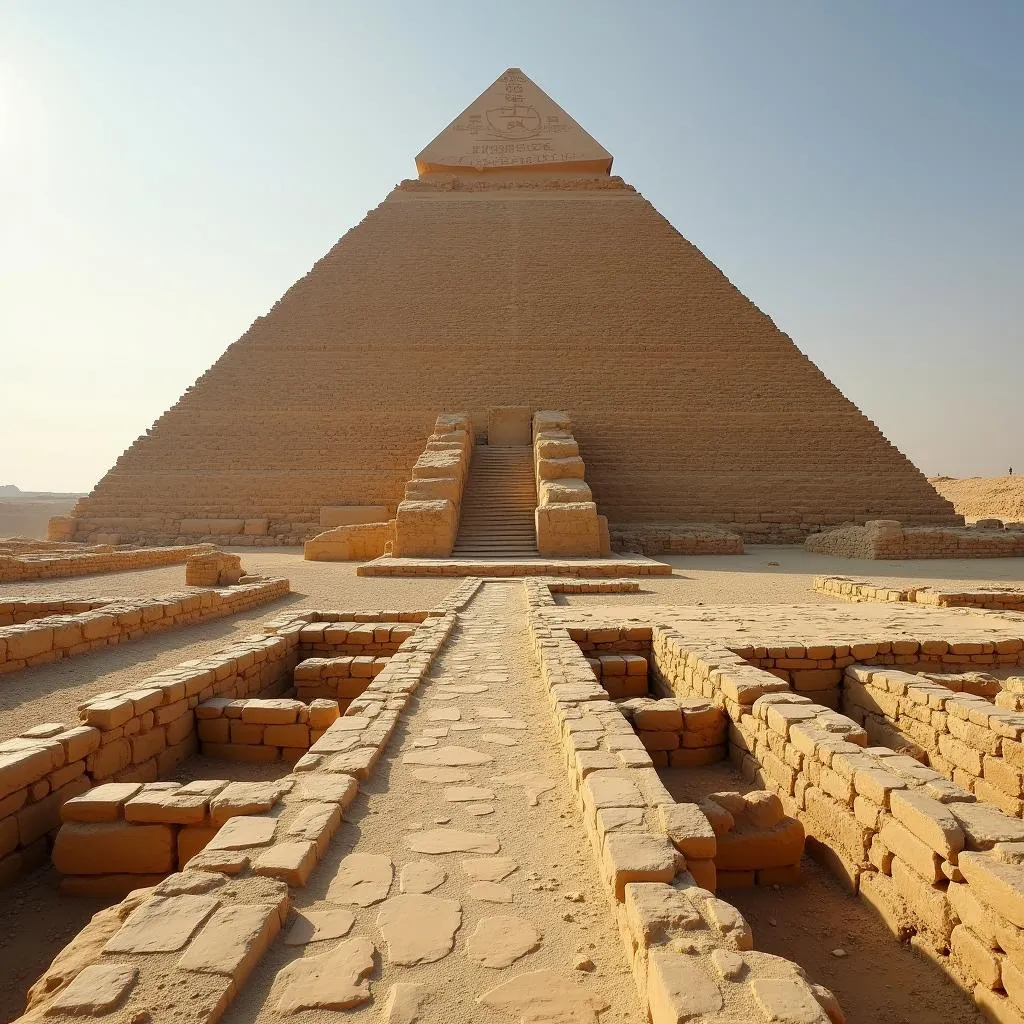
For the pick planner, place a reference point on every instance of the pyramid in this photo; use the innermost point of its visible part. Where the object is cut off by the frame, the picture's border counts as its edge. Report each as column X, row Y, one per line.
column 514, row 271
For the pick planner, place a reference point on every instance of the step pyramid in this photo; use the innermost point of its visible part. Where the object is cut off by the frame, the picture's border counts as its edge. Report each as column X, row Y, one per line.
column 515, row 270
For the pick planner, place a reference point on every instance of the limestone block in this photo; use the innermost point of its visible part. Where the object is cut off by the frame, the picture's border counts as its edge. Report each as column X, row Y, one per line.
column 101, row 848
column 604, row 537
column 434, row 488
column 434, row 464
column 351, row 515
column 348, row 543
column 559, row 492
column 637, row 857
column 211, row 526
column 568, row 529
column 550, row 420
column 214, row 568
column 556, row 448
column 425, row 529
column 680, row 989
column 561, row 469
column 256, row 527
column 61, row 527
column 509, row 425
column 450, row 421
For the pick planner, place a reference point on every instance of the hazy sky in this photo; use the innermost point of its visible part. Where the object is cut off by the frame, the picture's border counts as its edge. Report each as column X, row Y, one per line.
column 167, row 170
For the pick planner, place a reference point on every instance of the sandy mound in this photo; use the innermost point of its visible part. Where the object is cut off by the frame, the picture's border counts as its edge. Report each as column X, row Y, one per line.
column 981, row 497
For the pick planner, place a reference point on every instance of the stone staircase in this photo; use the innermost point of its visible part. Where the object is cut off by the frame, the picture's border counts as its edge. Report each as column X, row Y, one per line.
column 498, row 504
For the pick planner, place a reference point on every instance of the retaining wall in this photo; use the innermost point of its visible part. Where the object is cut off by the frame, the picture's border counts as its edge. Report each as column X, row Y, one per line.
column 17, row 568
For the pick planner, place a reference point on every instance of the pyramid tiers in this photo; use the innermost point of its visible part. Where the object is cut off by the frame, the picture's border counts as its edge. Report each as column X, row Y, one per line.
column 549, row 286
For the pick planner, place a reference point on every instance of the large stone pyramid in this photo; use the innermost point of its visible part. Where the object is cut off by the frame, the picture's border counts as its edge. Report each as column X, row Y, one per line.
column 515, row 271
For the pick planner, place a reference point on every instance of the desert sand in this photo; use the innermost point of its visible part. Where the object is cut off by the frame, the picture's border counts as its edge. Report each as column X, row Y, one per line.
column 984, row 497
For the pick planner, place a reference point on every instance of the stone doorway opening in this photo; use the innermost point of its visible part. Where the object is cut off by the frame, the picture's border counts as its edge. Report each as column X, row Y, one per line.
column 510, row 426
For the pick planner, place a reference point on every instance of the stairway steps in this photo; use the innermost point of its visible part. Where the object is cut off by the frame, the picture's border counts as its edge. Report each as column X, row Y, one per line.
column 497, row 516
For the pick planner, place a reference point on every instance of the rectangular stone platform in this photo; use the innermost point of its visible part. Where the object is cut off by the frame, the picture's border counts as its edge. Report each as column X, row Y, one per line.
column 633, row 565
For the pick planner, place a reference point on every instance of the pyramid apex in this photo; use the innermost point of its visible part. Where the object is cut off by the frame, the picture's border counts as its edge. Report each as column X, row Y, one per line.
column 514, row 126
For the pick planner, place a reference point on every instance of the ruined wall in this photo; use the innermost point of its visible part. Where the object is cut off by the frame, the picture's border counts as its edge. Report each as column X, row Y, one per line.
column 449, row 298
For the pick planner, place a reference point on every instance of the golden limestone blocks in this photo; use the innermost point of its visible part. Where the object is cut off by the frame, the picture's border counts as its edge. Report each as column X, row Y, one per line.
column 567, row 520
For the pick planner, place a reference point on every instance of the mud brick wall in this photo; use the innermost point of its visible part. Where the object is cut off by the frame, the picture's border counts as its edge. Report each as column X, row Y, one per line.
column 655, row 856
column 262, row 730
column 254, row 858
column 15, row 569
column 891, row 539
column 975, row 744
column 678, row 731
column 107, row 622
column 339, row 679
column 672, row 539
column 994, row 597
column 934, row 860
column 18, row 612
column 122, row 836
column 135, row 735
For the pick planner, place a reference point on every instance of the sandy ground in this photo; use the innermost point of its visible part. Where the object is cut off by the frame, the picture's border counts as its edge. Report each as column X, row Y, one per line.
column 880, row 981
column 26, row 516
column 984, row 497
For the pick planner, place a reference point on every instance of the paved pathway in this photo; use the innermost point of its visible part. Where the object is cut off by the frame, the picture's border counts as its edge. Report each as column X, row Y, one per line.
column 463, row 864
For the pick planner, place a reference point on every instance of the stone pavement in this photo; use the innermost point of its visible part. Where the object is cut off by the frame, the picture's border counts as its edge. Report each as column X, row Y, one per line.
column 461, row 864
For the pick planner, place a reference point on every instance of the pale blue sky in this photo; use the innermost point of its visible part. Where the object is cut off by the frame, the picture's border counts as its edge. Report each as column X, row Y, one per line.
column 167, row 170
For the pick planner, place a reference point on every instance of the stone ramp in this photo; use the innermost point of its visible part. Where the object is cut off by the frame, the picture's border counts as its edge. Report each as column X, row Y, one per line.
column 497, row 516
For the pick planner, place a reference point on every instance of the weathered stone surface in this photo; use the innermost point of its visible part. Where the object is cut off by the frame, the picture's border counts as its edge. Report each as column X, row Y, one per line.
column 418, row 929
column 292, row 862
column 679, row 989
column 441, row 775
column 656, row 912
column 452, row 840
column 96, row 991
column 101, row 803
column 362, row 879
column 787, row 1001
column 318, row 926
column 101, row 848
column 244, row 798
column 545, row 996
column 242, row 832
column 406, row 1003
column 689, row 830
column 331, row 981
column 534, row 784
column 162, row 925
column 458, row 794
column 501, row 941
column 490, row 892
column 489, row 869
column 421, row 876
column 233, row 940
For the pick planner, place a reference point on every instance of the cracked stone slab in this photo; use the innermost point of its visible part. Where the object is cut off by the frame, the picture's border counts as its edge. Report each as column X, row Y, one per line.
column 406, row 1003
column 318, row 926
column 242, row 832
column 452, row 840
column 362, row 879
column 98, row 989
column 545, row 997
column 489, row 869
column 162, row 925
column 421, row 876
column 335, row 980
column 490, row 892
column 500, row 941
column 535, row 784
column 459, row 794
column 418, row 929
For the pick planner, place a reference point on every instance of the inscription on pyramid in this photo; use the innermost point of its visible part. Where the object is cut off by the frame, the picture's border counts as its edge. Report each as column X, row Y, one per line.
column 514, row 125
column 515, row 272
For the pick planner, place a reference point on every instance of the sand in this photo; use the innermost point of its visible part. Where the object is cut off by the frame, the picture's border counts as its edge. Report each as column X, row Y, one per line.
column 984, row 497
column 25, row 515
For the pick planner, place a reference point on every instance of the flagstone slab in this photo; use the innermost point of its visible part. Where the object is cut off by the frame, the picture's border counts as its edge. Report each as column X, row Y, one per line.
column 362, row 879
column 500, row 941
column 318, row 926
column 418, row 929
column 452, row 840
column 335, row 980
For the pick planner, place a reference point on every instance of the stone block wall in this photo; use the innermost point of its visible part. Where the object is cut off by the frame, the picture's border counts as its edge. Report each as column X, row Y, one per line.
column 350, row 543
column 992, row 596
column 677, row 539
column 427, row 519
column 18, row 568
column 678, row 732
column 567, row 522
column 964, row 736
column 887, row 538
column 105, row 622
column 935, row 861
column 117, row 837
column 262, row 730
